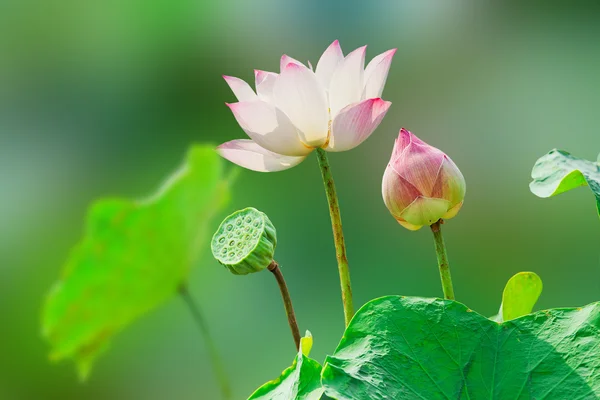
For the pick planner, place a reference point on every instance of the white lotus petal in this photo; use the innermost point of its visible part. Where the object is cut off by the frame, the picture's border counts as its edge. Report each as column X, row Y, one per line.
column 240, row 88
column 298, row 94
column 355, row 123
column 269, row 127
column 328, row 63
column 250, row 155
column 346, row 85
column 376, row 74
column 264, row 84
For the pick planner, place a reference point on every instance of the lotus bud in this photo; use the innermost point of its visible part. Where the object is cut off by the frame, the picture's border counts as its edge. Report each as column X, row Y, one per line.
column 421, row 184
column 245, row 242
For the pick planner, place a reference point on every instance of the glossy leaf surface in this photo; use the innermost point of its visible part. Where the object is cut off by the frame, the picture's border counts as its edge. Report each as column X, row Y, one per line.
column 415, row 348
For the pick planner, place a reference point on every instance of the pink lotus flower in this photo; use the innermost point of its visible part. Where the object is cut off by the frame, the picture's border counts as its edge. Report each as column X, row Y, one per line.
column 421, row 184
column 335, row 108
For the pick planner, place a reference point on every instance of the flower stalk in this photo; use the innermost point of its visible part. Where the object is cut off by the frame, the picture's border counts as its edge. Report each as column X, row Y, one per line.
column 442, row 257
column 287, row 302
column 215, row 358
column 338, row 235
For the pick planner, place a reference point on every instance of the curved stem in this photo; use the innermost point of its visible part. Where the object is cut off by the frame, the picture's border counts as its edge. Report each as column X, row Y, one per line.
column 338, row 235
column 287, row 302
column 440, row 249
column 210, row 344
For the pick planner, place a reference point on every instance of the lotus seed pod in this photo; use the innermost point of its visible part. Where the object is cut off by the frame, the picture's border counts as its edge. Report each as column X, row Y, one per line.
column 245, row 242
column 421, row 184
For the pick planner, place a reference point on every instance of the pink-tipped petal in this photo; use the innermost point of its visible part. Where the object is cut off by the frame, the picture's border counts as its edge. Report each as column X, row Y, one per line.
column 240, row 88
column 269, row 127
column 346, row 86
column 419, row 164
column 328, row 63
column 355, row 123
column 403, row 140
column 376, row 74
column 300, row 96
column 285, row 60
column 250, row 155
column 264, row 84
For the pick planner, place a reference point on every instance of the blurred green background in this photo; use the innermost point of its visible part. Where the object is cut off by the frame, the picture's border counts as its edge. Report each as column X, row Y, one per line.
column 103, row 98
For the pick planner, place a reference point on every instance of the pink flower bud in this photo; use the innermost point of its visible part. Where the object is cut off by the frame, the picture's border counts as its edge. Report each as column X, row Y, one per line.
column 421, row 184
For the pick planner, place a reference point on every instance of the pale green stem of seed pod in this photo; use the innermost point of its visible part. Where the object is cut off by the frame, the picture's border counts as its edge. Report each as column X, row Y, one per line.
column 245, row 242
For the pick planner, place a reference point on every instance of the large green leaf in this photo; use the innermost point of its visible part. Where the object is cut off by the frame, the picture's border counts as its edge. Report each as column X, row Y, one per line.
column 520, row 294
column 133, row 256
column 414, row 348
column 301, row 381
column 558, row 172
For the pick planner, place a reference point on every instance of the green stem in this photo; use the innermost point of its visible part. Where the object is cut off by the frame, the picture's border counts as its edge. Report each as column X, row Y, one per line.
column 287, row 302
column 338, row 235
column 217, row 364
column 442, row 257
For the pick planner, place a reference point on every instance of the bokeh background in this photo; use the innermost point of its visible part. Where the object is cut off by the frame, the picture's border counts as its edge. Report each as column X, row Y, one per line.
column 103, row 98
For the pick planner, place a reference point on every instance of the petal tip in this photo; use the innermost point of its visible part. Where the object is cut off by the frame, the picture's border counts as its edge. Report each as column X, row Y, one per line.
column 220, row 148
column 335, row 44
column 379, row 100
column 292, row 66
column 361, row 51
column 381, row 105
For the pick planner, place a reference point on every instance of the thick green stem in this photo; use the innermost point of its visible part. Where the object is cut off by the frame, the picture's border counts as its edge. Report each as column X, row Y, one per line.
column 442, row 257
column 338, row 235
column 210, row 344
column 287, row 302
